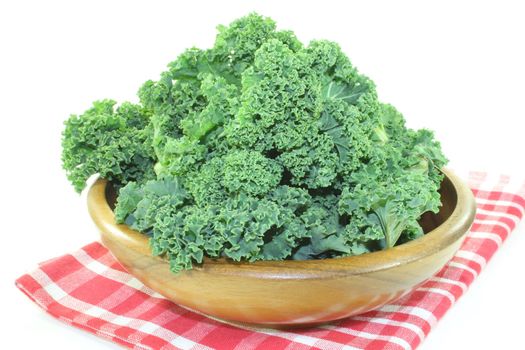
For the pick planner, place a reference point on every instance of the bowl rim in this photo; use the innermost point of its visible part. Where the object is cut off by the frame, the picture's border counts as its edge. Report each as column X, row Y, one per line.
column 449, row 232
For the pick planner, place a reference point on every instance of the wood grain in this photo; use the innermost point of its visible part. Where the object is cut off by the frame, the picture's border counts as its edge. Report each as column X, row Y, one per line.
column 291, row 293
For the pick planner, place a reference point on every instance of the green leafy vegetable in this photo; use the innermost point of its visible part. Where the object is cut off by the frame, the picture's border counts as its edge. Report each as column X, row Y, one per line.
column 259, row 148
column 113, row 143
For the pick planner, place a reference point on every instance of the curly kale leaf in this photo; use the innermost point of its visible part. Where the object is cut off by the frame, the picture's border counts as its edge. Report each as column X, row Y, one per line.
column 323, row 226
column 177, row 156
column 307, row 107
column 378, row 201
column 160, row 208
column 111, row 142
column 259, row 229
column 236, row 172
column 138, row 204
column 241, row 228
column 349, row 93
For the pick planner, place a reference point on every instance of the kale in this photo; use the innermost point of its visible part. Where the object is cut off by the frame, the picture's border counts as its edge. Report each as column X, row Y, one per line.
column 259, row 148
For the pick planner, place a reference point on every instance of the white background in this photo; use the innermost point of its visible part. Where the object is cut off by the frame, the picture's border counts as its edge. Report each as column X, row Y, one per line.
column 452, row 66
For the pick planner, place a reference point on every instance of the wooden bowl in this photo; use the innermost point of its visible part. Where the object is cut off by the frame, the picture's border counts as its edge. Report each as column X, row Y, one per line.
column 291, row 293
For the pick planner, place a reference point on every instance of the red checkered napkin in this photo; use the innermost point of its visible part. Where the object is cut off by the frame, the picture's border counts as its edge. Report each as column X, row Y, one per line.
column 90, row 290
